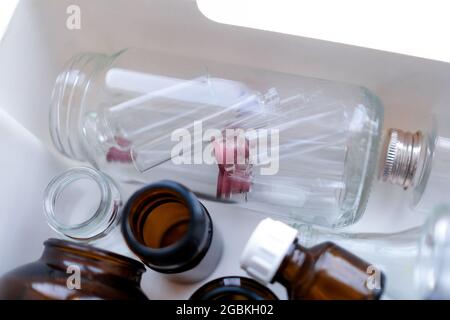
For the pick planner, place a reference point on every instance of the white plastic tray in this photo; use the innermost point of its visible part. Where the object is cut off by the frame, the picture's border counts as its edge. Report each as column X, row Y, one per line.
column 38, row 44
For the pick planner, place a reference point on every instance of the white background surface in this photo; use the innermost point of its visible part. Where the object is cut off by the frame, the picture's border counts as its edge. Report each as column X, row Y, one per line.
column 415, row 27
column 38, row 43
column 6, row 11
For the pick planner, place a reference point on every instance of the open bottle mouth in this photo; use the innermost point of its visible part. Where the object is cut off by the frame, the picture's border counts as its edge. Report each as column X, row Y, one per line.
column 67, row 109
column 82, row 204
column 233, row 288
column 167, row 227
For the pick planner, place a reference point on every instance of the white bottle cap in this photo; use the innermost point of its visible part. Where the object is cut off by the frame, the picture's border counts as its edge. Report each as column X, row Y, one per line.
column 266, row 249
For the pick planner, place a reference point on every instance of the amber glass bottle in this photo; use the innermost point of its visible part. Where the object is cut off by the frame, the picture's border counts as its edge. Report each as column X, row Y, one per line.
column 323, row 272
column 72, row 271
column 233, row 288
column 171, row 232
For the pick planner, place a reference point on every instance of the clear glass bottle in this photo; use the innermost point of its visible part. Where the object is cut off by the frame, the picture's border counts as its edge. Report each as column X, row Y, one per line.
column 125, row 113
column 103, row 275
column 166, row 226
column 82, row 204
column 233, row 289
column 416, row 261
column 420, row 163
column 322, row 272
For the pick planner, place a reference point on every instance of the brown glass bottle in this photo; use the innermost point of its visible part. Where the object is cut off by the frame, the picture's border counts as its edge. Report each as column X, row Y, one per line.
column 171, row 232
column 102, row 275
column 323, row 272
column 233, row 288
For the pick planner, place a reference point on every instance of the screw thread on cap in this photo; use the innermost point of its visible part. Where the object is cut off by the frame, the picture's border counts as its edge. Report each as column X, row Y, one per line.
column 401, row 157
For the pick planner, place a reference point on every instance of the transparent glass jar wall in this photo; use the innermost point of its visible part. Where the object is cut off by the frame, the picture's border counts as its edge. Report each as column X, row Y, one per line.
column 119, row 113
column 416, row 258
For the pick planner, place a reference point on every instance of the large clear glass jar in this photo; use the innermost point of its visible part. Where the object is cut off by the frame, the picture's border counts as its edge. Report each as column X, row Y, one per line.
column 125, row 113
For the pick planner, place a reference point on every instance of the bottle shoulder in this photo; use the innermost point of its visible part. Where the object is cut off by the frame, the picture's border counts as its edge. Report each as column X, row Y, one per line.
column 41, row 280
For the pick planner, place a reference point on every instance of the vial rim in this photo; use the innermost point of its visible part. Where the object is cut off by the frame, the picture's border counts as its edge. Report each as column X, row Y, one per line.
column 168, row 259
column 106, row 212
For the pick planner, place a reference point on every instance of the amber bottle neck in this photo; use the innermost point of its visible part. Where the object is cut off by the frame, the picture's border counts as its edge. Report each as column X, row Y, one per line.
column 150, row 220
column 295, row 266
column 91, row 261
column 233, row 288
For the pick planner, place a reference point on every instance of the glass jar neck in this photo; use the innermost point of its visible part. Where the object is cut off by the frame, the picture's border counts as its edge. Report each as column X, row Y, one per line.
column 66, row 103
column 403, row 157
column 91, row 261
column 67, row 107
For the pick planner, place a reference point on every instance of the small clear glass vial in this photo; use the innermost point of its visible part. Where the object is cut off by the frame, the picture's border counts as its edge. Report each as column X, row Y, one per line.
column 82, row 204
column 322, row 272
column 233, row 289
column 419, row 162
column 125, row 114
column 166, row 226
